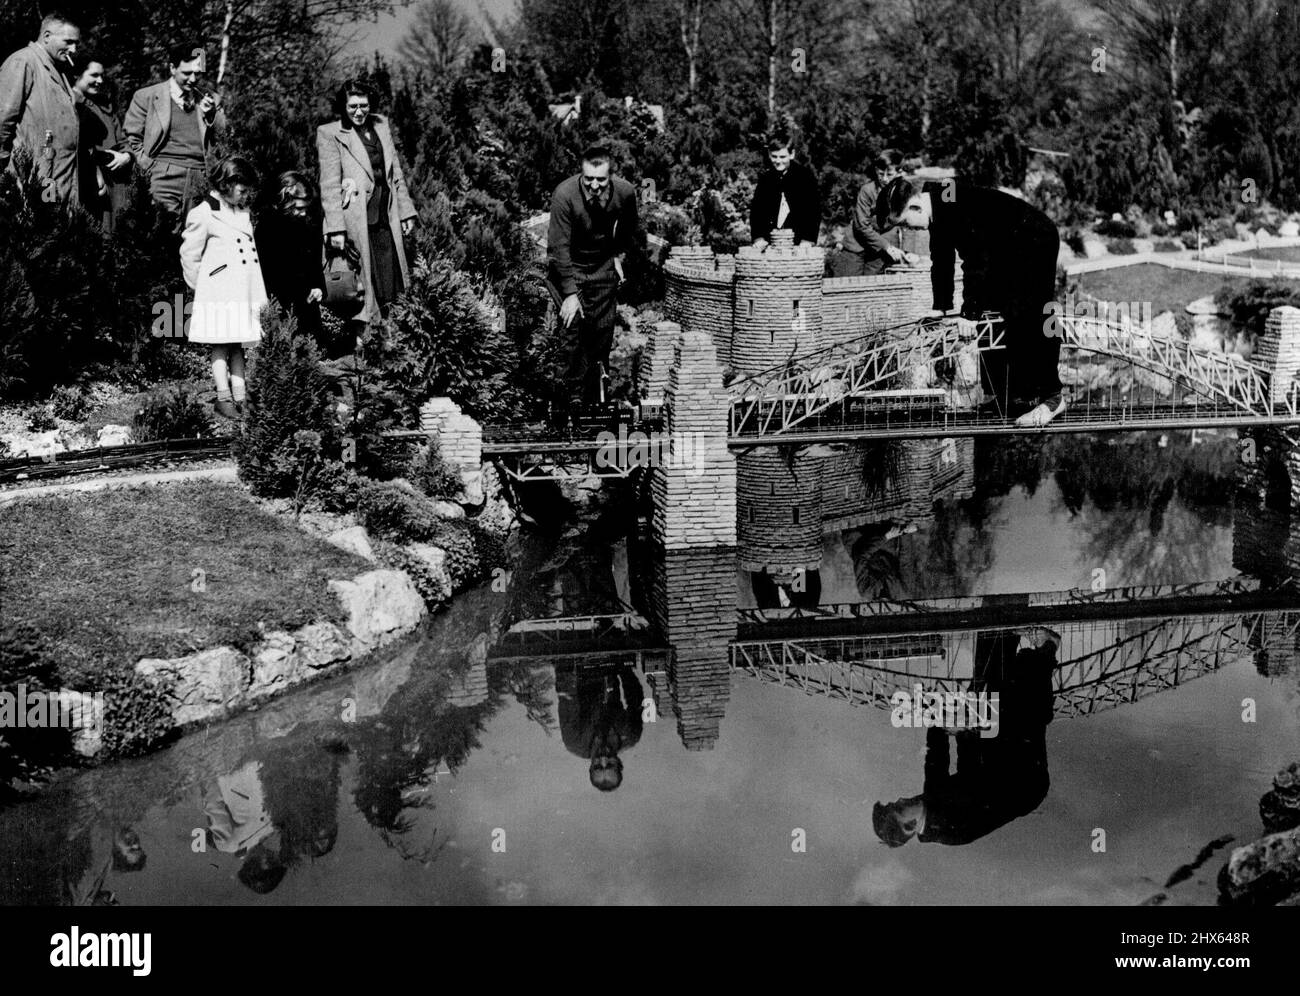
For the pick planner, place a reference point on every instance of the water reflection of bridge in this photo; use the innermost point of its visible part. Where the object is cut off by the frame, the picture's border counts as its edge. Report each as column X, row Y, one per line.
column 1115, row 647
column 1135, row 659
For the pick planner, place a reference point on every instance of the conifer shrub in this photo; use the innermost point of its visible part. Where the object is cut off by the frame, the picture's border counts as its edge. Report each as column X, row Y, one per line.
column 174, row 414
column 287, row 393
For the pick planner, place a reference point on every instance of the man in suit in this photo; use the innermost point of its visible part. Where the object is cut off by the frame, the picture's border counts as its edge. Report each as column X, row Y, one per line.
column 169, row 129
column 786, row 196
column 38, row 110
column 594, row 225
column 1008, row 250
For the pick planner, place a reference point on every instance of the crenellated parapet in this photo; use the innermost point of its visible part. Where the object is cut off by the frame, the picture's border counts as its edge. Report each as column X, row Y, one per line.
column 761, row 306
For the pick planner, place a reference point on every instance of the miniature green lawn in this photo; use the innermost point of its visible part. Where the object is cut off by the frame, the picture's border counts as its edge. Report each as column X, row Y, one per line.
column 109, row 577
column 1166, row 289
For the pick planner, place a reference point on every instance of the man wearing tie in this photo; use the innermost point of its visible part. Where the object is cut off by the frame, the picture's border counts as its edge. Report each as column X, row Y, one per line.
column 169, row 128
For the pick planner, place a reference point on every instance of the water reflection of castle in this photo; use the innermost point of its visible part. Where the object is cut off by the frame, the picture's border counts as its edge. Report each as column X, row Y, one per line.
column 787, row 500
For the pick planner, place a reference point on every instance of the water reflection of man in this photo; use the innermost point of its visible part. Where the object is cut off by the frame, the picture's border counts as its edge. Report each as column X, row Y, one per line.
column 240, row 824
column 600, row 717
column 998, row 779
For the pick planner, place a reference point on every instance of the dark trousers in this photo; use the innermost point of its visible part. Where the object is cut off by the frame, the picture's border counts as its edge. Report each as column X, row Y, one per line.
column 592, row 332
column 1026, row 369
column 843, row 263
column 176, row 188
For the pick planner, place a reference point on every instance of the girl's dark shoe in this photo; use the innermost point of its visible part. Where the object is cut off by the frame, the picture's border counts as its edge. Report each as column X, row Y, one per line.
column 242, row 408
column 226, row 409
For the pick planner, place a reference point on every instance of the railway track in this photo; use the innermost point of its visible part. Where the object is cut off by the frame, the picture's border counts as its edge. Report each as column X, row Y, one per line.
column 74, row 463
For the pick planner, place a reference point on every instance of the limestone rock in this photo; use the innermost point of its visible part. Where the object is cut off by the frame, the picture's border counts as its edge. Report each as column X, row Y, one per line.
column 1094, row 248
column 33, row 444
column 382, row 605
column 1289, row 229
column 471, row 487
column 320, row 645
column 273, row 664
column 1279, row 807
column 204, row 685
column 1262, row 872
column 447, row 509
column 433, row 560
column 1164, row 326
column 113, row 435
column 354, row 539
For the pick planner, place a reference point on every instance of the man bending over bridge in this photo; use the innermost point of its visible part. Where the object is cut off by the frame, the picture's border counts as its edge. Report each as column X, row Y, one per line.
column 1008, row 250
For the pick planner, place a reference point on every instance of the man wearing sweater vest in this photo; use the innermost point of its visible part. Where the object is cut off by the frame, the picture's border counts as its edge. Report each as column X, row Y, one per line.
column 594, row 225
column 169, row 128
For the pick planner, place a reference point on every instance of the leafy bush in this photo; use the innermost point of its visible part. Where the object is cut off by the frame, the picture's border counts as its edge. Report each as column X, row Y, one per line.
column 174, row 414
column 335, row 487
column 41, row 419
column 74, row 301
column 1249, row 306
column 137, row 712
column 428, row 472
column 394, row 512
column 1168, row 245
column 1120, row 247
column 442, row 340
column 1116, row 229
column 69, row 402
column 287, row 393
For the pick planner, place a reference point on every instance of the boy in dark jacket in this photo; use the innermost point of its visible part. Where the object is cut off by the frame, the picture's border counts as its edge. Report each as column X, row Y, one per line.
column 786, row 196
column 1008, row 250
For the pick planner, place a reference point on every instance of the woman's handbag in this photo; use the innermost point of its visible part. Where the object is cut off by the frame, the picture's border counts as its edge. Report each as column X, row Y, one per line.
column 345, row 290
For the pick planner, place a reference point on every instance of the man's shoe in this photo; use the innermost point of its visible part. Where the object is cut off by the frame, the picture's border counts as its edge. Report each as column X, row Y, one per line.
column 226, row 409
column 1043, row 413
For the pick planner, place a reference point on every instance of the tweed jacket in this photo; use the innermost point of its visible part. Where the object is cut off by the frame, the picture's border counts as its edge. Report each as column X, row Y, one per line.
column 148, row 122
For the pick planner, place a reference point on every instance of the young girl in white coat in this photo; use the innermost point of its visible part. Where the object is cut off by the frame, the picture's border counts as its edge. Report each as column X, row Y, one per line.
column 220, row 261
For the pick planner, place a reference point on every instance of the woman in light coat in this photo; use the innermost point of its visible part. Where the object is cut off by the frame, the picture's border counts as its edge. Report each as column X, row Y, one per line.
column 220, row 261
column 364, row 195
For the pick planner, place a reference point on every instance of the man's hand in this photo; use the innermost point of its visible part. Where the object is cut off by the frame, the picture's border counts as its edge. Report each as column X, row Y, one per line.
column 408, row 226
column 315, row 295
column 936, row 313
column 618, row 268
column 760, row 244
column 570, row 309
column 338, row 242
column 119, row 159
column 209, row 104
column 349, row 192
column 896, row 254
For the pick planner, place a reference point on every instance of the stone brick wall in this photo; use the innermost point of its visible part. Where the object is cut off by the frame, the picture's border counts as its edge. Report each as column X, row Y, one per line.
column 778, row 303
column 1279, row 350
column 695, row 504
column 693, row 603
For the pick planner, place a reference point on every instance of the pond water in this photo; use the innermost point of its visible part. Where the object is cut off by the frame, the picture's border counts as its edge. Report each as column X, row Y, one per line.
column 690, row 735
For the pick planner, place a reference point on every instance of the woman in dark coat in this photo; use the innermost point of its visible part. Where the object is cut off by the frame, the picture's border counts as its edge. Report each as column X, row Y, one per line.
column 289, row 245
column 105, row 164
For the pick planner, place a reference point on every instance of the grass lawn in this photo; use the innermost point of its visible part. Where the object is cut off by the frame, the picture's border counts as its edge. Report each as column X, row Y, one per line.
column 110, row 575
column 1288, row 254
column 1166, row 289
